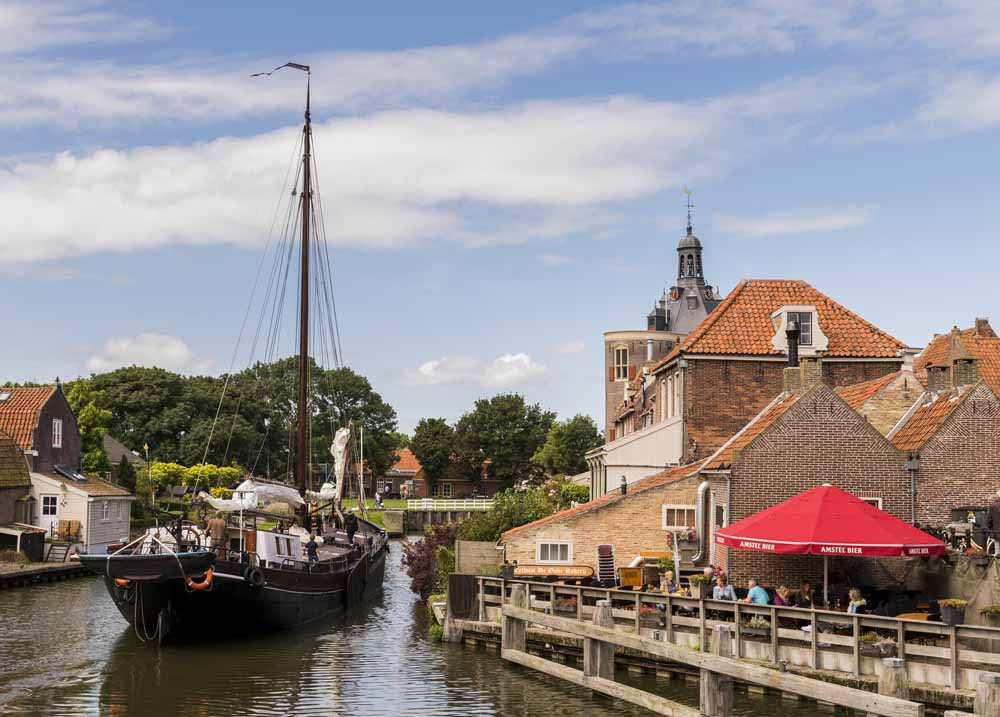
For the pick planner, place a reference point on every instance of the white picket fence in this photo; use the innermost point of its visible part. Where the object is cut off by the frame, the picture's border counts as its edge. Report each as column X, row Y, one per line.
column 448, row 504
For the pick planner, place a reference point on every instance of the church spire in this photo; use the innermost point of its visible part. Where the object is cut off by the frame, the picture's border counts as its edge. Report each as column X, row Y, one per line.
column 690, row 206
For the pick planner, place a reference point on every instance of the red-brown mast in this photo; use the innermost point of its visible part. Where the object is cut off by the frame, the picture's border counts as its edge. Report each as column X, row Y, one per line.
column 301, row 443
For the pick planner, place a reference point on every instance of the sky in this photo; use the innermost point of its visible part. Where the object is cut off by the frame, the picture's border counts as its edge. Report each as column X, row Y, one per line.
column 502, row 182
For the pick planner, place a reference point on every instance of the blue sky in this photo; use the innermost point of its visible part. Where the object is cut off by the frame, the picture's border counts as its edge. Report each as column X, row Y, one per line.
column 502, row 182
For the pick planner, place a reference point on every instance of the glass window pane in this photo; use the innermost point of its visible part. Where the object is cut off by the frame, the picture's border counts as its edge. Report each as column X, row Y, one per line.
column 564, row 552
column 544, row 553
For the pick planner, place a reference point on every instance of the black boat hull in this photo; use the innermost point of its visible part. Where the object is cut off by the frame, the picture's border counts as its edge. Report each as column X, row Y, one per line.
column 170, row 610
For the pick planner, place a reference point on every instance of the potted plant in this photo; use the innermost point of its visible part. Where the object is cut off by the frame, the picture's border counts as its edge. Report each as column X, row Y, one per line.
column 688, row 539
column 665, row 563
column 992, row 615
column 875, row 645
column 564, row 604
column 756, row 627
column 650, row 616
column 700, row 586
column 952, row 611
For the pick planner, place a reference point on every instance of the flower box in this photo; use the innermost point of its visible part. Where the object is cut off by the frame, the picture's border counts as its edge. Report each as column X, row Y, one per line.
column 878, row 649
column 756, row 633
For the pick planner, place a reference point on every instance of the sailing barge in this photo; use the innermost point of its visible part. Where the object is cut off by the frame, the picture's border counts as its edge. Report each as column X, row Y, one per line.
column 171, row 584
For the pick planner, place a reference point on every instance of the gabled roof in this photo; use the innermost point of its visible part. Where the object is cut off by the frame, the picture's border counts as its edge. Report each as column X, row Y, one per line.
column 406, row 462
column 858, row 394
column 982, row 344
column 741, row 324
column 115, row 449
column 731, row 449
column 670, row 475
column 19, row 411
column 13, row 466
column 921, row 425
column 94, row 487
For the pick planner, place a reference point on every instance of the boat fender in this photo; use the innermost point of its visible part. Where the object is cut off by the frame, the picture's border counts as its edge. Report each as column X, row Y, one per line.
column 254, row 576
column 122, row 582
column 203, row 585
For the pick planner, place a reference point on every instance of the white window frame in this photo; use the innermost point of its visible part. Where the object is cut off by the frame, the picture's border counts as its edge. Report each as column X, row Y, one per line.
column 105, row 511
column 118, row 510
column 57, row 433
column 55, row 505
column 873, row 500
column 435, row 489
column 621, row 367
column 798, row 319
column 446, row 490
column 676, row 506
column 569, row 552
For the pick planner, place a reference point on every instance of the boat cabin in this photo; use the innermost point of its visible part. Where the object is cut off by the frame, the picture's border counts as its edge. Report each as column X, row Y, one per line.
column 275, row 548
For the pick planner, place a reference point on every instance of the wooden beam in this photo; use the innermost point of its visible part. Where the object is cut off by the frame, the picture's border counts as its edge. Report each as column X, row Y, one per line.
column 651, row 702
column 738, row 670
column 716, row 691
column 599, row 656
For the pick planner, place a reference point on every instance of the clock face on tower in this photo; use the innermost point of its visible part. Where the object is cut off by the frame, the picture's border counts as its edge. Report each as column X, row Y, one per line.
column 708, row 292
column 675, row 294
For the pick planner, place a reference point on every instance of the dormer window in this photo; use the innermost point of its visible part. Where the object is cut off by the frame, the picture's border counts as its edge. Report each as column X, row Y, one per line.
column 692, row 302
column 804, row 320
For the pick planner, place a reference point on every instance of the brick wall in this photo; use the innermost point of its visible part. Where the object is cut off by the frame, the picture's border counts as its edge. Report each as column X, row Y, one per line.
column 632, row 524
column 614, row 391
column 885, row 409
column 960, row 464
column 818, row 440
column 722, row 396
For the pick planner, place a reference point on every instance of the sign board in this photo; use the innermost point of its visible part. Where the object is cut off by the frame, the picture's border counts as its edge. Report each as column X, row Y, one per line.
column 630, row 577
column 560, row 571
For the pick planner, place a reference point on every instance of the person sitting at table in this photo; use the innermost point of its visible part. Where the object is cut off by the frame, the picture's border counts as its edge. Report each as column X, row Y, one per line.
column 782, row 596
column 668, row 584
column 756, row 595
column 723, row 590
column 805, row 596
column 857, row 602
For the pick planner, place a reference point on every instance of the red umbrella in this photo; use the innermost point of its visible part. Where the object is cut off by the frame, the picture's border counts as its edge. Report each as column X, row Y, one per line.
column 828, row 521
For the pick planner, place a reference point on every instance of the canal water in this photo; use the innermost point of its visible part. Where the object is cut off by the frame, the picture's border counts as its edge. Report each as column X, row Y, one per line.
column 65, row 650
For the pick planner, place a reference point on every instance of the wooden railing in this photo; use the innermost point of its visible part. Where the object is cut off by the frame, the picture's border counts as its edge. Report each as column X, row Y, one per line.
column 448, row 504
column 820, row 639
column 717, row 668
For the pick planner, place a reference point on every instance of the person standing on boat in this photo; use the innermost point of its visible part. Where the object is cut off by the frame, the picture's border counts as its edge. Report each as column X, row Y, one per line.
column 312, row 549
column 217, row 530
column 351, row 525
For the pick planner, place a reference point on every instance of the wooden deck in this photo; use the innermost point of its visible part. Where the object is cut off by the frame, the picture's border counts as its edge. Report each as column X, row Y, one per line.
column 35, row 573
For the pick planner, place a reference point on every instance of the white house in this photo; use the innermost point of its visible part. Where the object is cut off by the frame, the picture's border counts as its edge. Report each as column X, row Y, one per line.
column 93, row 511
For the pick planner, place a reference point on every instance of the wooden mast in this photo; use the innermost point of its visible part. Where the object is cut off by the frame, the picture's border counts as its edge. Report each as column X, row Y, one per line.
column 301, row 443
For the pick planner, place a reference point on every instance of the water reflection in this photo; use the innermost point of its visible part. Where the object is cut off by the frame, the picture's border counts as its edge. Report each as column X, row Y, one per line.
column 64, row 650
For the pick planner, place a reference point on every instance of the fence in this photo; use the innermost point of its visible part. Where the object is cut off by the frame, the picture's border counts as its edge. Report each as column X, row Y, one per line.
column 935, row 653
column 442, row 505
column 717, row 668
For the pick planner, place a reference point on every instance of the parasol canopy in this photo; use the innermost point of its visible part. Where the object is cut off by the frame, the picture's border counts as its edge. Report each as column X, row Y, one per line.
column 826, row 520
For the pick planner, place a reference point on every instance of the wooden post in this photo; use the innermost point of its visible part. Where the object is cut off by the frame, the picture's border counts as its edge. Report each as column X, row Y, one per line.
column 736, row 619
column 670, row 620
column 579, row 603
column 814, row 639
column 599, row 657
column 901, row 640
column 514, row 633
column 482, row 600
column 638, row 607
column 988, row 695
column 856, row 631
column 552, row 600
column 702, row 636
column 893, row 682
column 774, row 634
column 953, row 656
column 717, row 690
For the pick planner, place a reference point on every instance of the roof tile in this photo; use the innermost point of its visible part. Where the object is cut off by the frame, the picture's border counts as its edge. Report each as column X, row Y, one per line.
column 927, row 419
column 858, row 394
column 19, row 411
column 985, row 348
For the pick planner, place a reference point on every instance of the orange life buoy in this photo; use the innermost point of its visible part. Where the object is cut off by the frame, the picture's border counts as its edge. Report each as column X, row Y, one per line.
column 122, row 582
column 203, row 584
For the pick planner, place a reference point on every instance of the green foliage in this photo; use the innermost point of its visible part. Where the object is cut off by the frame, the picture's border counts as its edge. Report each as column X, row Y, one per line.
column 220, row 492
column 420, row 558
column 506, row 431
column 174, row 414
column 166, row 474
column 570, row 493
column 445, row 557
column 436, row 632
column 665, row 563
column 206, row 475
column 93, row 420
column 566, row 444
column 433, row 444
column 399, row 440
column 511, row 508
column 953, row 602
column 126, row 474
column 990, row 611
column 144, row 489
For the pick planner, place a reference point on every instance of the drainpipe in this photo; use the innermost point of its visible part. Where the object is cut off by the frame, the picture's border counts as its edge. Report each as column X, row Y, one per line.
column 701, row 521
column 912, row 465
column 624, row 486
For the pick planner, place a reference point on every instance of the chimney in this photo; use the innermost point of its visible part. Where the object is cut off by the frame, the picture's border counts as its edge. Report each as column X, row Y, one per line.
column 792, row 379
column 983, row 329
column 649, row 349
column 792, row 342
column 624, row 486
column 964, row 372
column 811, row 369
column 938, row 379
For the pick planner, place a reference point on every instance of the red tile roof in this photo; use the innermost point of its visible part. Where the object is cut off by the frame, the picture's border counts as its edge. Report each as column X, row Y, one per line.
column 927, row 419
column 741, row 324
column 730, row 451
column 19, row 411
column 670, row 475
column 984, row 347
column 858, row 394
column 406, row 461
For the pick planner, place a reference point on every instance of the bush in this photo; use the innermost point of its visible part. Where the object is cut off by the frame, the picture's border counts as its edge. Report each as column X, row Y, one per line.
column 13, row 556
column 445, row 559
column 420, row 558
column 436, row 632
column 510, row 509
column 220, row 492
column 570, row 493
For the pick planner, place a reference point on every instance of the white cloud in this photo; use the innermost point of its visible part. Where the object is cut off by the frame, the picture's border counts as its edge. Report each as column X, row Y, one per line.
column 168, row 352
column 804, row 221
column 552, row 259
column 570, row 347
column 505, row 371
column 30, row 25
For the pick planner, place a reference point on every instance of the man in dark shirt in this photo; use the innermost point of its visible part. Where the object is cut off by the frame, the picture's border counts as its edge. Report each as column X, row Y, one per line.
column 351, row 525
column 312, row 548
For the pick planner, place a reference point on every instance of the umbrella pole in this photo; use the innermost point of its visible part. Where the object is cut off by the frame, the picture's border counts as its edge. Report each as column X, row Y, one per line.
column 826, row 581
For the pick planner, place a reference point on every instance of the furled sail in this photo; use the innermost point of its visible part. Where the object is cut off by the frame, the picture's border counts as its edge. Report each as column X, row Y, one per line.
column 250, row 493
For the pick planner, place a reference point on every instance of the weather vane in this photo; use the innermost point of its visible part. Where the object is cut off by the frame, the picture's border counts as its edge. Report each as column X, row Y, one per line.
column 690, row 206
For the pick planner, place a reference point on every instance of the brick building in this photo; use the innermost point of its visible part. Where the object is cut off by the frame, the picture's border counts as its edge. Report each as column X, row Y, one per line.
column 681, row 408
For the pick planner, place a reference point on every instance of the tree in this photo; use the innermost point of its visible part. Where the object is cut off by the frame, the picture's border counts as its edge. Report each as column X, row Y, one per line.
column 566, row 445
column 433, row 444
column 505, row 431
column 126, row 474
column 510, row 509
column 421, row 559
column 399, row 440
column 163, row 474
column 93, row 421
